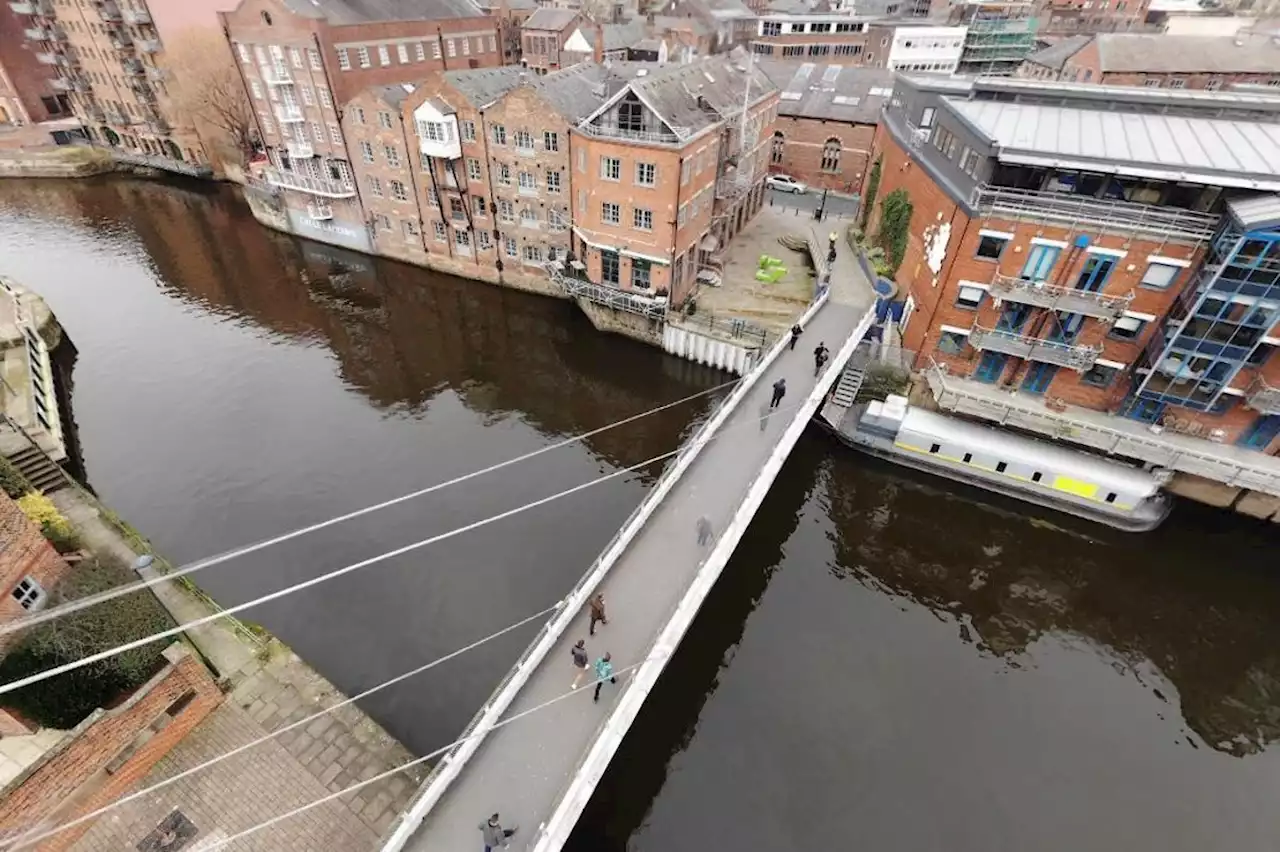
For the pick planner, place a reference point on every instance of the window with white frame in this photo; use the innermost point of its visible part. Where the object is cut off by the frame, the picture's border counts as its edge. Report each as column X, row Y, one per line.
column 438, row 227
column 419, row 52
column 529, row 217
column 384, row 119
column 393, row 156
column 506, row 210
column 384, row 56
column 1159, row 275
column 375, row 186
column 313, row 58
column 532, row 253
column 466, row 46
column 468, row 131
column 398, row 192
column 435, row 49
column 499, row 134
column 641, row 273
column 524, row 140
column 308, row 96
column 325, row 100
column 256, row 89
column 1128, row 327
column 553, row 180
column 362, row 53
column 344, row 59
column 357, row 113
column 970, row 297
column 952, row 342
column 402, row 53
column 509, row 244
column 610, row 213
column 434, row 131
column 450, row 48
column 481, row 206
column 265, row 120
column 410, row 229
column 335, row 133
column 551, row 141
column 366, row 151
column 555, row 219
column 295, row 56
column 504, row 174
column 473, row 168
column 317, row 132
column 610, row 168
column 462, row 239
column 245, row 56
column 642, row 218
column 28, row 593
column 527, row 182
column 646, row 174
column 483, row 240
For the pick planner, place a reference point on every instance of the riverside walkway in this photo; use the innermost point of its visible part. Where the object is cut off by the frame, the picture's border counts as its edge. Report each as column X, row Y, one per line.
column 540, row 770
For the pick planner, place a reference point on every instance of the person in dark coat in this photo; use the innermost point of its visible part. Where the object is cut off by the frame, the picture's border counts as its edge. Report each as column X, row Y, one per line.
column 795, row 334
column 704, row 531
column 596, row 605
column 779, row 391
column 820, row 356
column 579, row 654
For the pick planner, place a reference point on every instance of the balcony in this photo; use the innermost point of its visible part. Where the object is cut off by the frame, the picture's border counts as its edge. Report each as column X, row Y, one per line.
column 320, row 211
column 109, row 12
column 143, row 90
column 733, row 185
column 1085, row 213
column 44, row 34
column 1262, row 397
column 120, row 39
column 137, row 17
column 1044, row 295
column 167, row 164
column 133, row 67
column 653, row 137
column 149, row 45
column 277, row 75
column 288, row 113
column 92, row 113
column 49, row 57
column 1034, row 348
column 43, row 8
column 157, row 74
column 299, row 150
column 324, row 187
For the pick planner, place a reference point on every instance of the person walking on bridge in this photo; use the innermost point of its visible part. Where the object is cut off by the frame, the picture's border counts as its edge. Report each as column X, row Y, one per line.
column 495, row 835
column 604, row 671
column 820, row 356
column 779, row 391
column 596, row 605
column 579, row 654
column 704, row 531
column 795, row 334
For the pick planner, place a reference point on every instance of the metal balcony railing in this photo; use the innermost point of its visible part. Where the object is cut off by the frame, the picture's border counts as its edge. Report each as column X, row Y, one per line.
column 44, row 34
column 120, row 39
column 300, row 149
column 149, row 45
column 287, row 113
column 43, row 8
column 324, row 187
column 1262, row 397
column 164, row 163
column 276, row 75
column 109, row 12
column 1045, row 295
column 1087, row 213
column 137, row 16
column 622, row 300
column 156, row 73
column 658, row 137
column 133, row 67
column 1034, row 348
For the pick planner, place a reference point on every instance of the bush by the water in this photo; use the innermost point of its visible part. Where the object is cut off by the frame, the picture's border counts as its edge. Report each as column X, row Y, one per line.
column 64, row 701
column 56, row 529
column 12, row 480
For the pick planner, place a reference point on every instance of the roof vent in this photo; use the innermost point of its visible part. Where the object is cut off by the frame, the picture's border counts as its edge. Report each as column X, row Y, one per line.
column 642, row 72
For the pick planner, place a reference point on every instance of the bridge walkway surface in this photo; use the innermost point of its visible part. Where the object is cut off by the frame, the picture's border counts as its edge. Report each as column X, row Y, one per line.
column 524, row 769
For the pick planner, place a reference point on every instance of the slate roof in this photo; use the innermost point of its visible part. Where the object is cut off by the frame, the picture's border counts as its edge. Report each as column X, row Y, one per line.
column 673, row 91
column 831, row 92
column 361, row 11
column 483, row 86
column 669, row 22
column 550, row 19
column 581, row 89
column 1178, row 54
column 1056, row 55
column 393, row 95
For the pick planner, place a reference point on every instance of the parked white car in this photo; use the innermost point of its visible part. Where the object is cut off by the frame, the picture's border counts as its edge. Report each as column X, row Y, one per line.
column 786, row 183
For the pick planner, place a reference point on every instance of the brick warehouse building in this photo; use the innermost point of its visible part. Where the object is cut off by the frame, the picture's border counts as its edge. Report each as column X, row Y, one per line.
column 827, row 117
column 1047, row 254
column 301, row 62
column 28, row 87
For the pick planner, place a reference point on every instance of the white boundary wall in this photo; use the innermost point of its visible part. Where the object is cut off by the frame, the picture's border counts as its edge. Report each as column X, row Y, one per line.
column 554, row 834
column 452, row 764
column 701, row 349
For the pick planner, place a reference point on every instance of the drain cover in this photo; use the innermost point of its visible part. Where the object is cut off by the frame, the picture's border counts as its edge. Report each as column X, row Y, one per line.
column 172, row 834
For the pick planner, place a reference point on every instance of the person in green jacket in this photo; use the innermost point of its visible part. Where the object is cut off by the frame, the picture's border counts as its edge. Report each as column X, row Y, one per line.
column 604, row 671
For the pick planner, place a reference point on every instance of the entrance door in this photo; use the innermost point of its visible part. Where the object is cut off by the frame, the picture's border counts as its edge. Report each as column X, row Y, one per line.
column 1263, row 431
column 1040, row 261
column 991, row 367
column 1093, row 277
column 1014, row 317
column 1039, row 377
column 1146, row 410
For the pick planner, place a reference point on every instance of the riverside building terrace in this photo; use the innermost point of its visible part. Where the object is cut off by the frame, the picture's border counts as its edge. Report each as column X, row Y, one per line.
column 1076, row 250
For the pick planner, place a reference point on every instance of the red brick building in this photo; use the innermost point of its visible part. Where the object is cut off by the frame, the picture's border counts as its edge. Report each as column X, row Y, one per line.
column 1081, row 273
column 543, row 37
column 28, row 87
column 29, row 566
column 827, row 118
column 1159, row 61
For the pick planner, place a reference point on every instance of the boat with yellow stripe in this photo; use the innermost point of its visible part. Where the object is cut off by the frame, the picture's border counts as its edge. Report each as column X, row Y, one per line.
column 1077, row 483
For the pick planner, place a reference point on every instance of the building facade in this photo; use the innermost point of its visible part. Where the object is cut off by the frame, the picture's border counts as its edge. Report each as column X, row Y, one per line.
column 543, row 38
column 30, row 90
column 1066, row 17
column 1086, row 278
column 1160, row 61
column 1000, row 34
column 926, row 49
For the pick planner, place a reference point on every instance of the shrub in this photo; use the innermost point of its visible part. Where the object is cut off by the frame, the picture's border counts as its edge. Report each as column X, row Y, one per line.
column 873, row 186
column 12, row 480
column 65, row 700
column 56, row 529
column 895, row 224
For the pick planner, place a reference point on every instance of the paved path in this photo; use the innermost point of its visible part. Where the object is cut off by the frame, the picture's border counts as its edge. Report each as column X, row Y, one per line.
column 522, row 769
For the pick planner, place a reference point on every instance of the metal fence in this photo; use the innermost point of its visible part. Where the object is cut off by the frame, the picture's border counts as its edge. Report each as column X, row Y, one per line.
column 730, row 327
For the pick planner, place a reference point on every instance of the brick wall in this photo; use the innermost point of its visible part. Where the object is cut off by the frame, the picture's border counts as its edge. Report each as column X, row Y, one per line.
column 109, row 753
column 1086, row 66
column 395, row 222
column 25, row 554
column 23, row 80
column 805, row 139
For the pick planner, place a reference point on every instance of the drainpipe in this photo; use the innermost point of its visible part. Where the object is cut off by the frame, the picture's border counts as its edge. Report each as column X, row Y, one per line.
column 413, row 181
column 483, row 130
column 675, row 238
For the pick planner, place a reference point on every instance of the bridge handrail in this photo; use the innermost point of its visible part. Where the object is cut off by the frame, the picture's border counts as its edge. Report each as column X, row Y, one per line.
column 598, row 756
column 449, row 765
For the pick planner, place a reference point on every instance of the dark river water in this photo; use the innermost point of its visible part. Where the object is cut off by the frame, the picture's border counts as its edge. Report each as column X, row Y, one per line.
column 887, row 662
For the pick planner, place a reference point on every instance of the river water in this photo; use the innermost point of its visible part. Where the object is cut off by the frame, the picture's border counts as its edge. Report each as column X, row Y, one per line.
column 887, row 662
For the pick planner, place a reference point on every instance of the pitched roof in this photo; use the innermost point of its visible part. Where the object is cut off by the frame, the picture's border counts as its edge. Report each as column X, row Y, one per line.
column 624, row 35
column 830, row 92
column 579, row 90
column 1178, row 54
column 483, row 86
column 361, row 11
column 393, row 95
column 550, row 19
column 669, row 22
column 1056, row 55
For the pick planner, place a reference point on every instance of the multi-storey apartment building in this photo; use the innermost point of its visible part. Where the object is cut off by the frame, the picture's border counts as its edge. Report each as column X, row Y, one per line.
column 1000, row 34
column 301, row 63
column 1105, row 250
column 108, row 57
column 827, row 117
column 30, row 90
column 1160, row 61
column 826, row 37
column 925, row 49
column 543, row 36
column 1071, row 17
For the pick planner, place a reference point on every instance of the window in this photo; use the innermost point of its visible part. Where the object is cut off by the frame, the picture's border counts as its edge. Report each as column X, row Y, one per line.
column 527, row 182
column 831, row 156
column 335, row 133
column 28, row 593
column 325, row 100
column 990, row 247
column 1213, row 84
column 1100, row 376
column 462, row 239
column 771, row 28
column 642, row 218
column 609, row 266
column 551, row 141
column 1152, row 82
column 481, row 207
column 1159, row 276
column 256, row 89
column 532, row 253
column 504, row 174
column 439, row 230
column 313, row 57
column 419, row 52
column 775, row 156
column 244, row 53
column 435, row 48
column 529, row 217
column 473, row 168
column 945, row 141
column 610, row 168
column 610, row 213
column 1128, row 328
column 1177, row 83
column 646, row 174
column 397, row 191
column 393, row 156
column 468, row 131
column 375, row 187
column 1037, row 476
column 410, row 229
column 402, row 53
column 506, row 210
column 384, row 119
column 317, row 132
column 1111, row 497
column 641, row 272
column 935, row 448
column 952, row 342
column 553, row 181
column 524, row 140
column 970, row 297
column 366, row 151
column 509, row 245
column 384, row 56
column 358, row 113
column 555, row 219
column 483, row 241
column 499, row 134
column 344, row 59
column 295, row 56
column 1001, row 467
column 362, row 53
column 450, row 47
column 308, row 96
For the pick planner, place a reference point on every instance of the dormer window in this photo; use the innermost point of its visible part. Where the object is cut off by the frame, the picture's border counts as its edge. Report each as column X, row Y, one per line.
column 631, row 113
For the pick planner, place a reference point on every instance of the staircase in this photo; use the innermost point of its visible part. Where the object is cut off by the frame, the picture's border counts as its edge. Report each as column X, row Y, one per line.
column 41, row 471
column 844, row 393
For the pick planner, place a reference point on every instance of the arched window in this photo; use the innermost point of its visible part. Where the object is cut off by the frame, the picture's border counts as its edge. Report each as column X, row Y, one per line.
column 778, row 141
column 831, row 155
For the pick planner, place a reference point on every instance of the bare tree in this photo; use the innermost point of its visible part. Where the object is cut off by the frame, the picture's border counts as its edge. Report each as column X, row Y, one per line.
column 205, row 88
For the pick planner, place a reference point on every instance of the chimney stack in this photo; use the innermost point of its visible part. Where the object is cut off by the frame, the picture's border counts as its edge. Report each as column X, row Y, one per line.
column 598, row 53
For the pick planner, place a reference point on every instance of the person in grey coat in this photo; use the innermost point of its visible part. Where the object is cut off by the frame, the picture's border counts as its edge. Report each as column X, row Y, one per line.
column 704, row 531
column 495, row 835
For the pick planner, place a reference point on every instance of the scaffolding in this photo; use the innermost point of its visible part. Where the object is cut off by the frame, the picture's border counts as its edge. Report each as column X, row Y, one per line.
column 999, row 37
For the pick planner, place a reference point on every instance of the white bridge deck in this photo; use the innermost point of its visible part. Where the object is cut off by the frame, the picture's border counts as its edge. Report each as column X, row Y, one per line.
column 540, row 770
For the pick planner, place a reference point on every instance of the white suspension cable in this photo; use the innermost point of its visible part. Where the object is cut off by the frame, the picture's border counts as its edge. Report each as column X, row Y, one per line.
column 355, row 566
column 208, row 562
column 31, row 840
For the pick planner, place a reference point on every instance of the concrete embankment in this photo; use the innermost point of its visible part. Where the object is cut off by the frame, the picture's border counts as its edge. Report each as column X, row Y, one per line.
column 66, row 162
